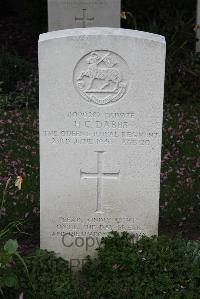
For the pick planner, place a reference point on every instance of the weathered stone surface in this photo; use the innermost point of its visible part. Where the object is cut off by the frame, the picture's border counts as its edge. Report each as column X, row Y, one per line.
column 64, row 14
column 101, row 103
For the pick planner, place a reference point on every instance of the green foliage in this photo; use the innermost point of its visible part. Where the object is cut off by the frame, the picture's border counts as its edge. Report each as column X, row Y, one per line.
column 193, row 249
column 7, row 277
column 37, row 275
column 173, row 19
column 11, row 246
column 11, row 228
column 8, row 255
column 155, row 267
column 50, row 278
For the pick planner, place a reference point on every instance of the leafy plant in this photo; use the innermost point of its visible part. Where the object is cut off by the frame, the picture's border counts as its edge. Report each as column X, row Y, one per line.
column 8, row 278
column 50, row 278
column 155, row 267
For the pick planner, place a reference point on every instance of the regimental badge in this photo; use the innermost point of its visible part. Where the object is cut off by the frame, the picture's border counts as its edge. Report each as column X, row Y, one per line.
column 101, row 77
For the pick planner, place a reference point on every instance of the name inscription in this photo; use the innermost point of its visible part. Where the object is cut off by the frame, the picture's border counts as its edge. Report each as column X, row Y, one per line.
column 95, row 128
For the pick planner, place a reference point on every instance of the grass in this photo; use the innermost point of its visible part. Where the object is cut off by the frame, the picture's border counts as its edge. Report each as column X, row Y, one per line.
column 179, row 198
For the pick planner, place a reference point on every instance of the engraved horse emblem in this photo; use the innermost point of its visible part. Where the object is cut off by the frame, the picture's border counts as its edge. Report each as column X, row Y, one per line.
column 101, row 80
column 107, row 74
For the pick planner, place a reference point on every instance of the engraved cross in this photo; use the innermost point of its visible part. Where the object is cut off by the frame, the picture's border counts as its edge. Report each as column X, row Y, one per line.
column 84, row 19
column 99, row 176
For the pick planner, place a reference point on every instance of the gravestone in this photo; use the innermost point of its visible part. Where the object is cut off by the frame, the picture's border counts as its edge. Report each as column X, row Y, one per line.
column 64, row 14
column 101, row 105
column 198, row 27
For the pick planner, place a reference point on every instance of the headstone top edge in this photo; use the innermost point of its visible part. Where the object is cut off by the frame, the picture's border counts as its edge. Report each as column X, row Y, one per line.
column 101, row 31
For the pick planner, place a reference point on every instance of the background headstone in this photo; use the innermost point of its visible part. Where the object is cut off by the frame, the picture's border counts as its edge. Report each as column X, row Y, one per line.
column 101, row 104
column 64, row 14
column 198, row 27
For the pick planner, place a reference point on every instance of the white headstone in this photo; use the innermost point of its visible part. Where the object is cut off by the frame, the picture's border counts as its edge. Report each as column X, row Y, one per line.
column 64, row 14
column 101, row 105
column 198, row 27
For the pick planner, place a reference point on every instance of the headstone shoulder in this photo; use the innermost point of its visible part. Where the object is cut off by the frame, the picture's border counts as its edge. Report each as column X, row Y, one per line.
column 102, row 31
